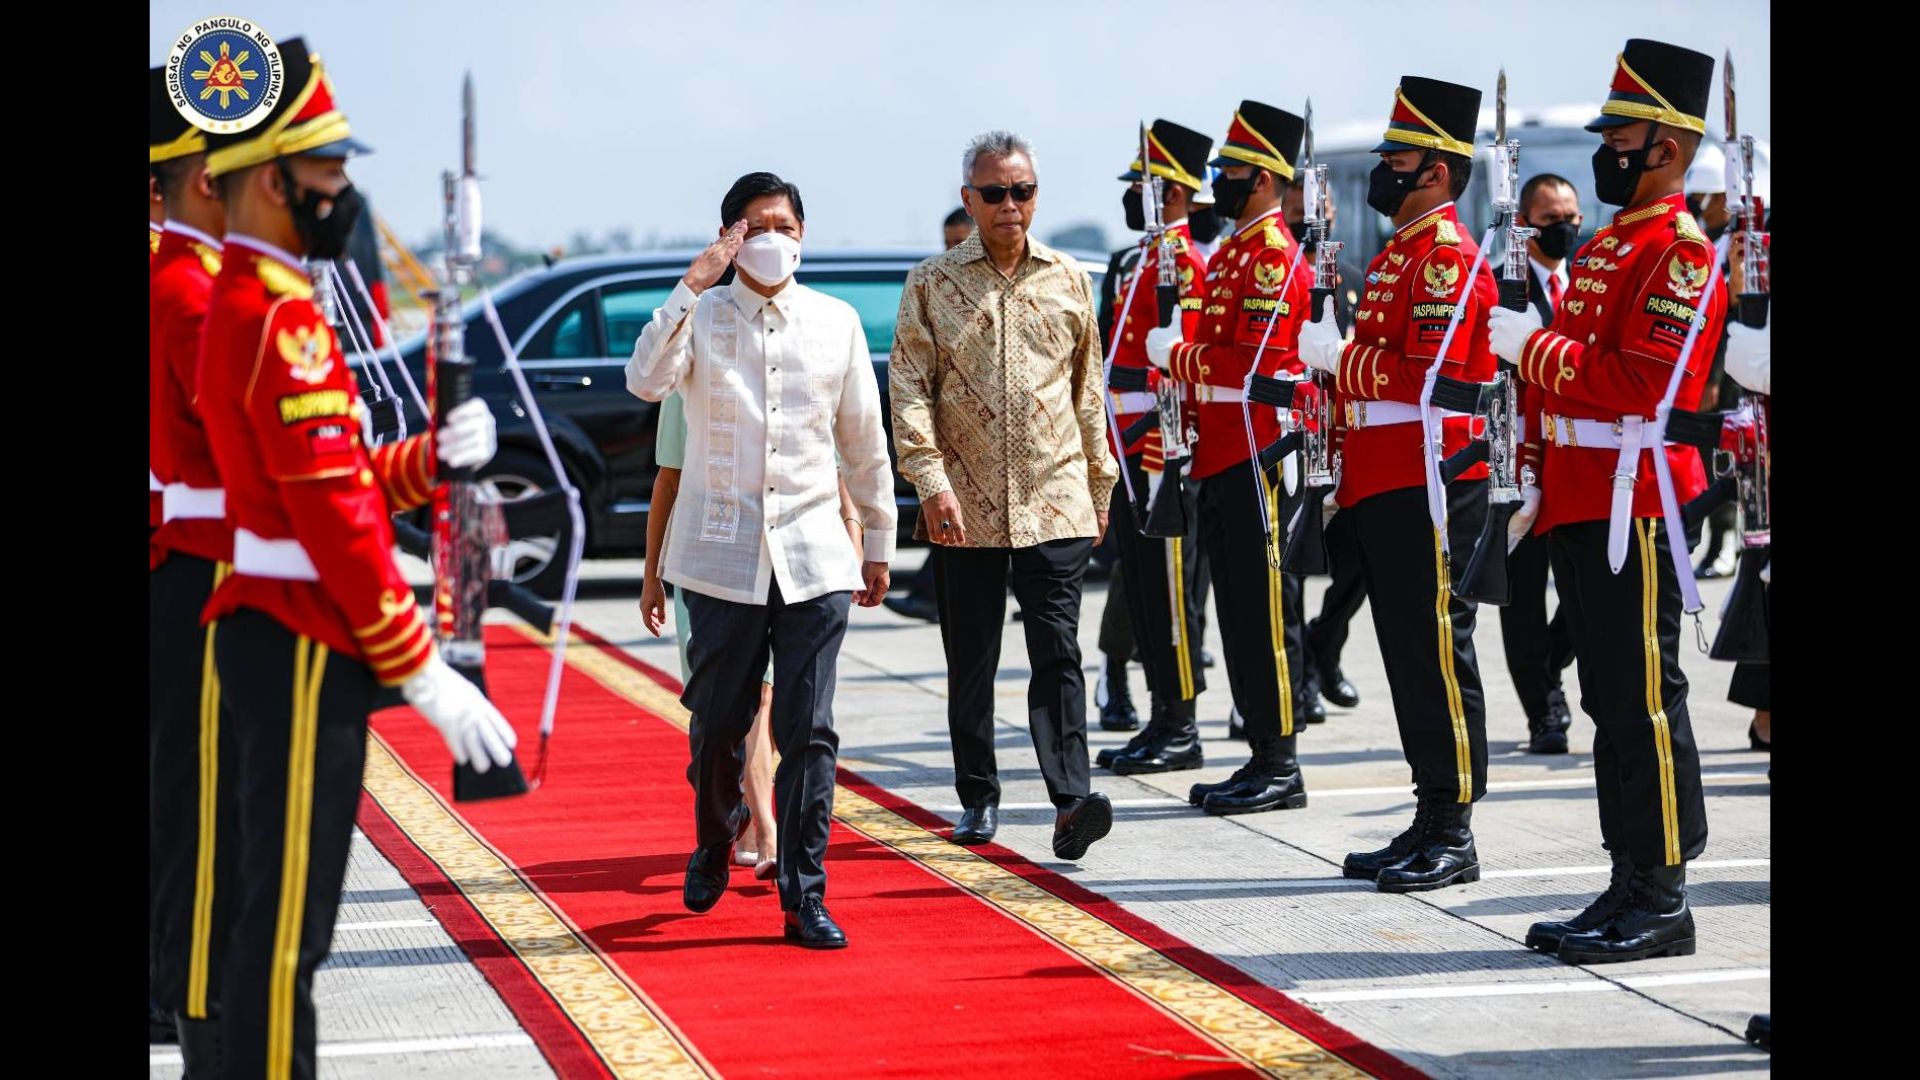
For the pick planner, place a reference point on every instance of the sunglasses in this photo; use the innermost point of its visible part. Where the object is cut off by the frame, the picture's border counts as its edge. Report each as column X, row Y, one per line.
column 995, row 194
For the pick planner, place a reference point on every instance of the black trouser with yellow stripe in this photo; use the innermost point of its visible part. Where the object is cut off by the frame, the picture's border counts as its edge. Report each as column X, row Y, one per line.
column 1158, row 574
column 1259, row 607
column 300, row 726
column 190, row 791
column 1626, row 635
column 1426, row 634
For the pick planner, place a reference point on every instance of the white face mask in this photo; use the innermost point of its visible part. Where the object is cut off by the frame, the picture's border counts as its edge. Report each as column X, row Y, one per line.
column 769, row 258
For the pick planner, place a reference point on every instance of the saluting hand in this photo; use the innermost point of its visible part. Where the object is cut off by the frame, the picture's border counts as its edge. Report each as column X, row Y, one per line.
column 711, row 263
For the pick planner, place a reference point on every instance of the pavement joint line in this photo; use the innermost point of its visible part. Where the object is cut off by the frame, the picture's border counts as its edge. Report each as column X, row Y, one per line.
column 170, row 1055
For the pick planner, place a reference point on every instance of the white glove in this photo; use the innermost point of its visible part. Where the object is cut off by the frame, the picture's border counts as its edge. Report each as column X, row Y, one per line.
column 466, row 437
column 1290, row 473
column 1327, row 509
column 1510, row 330
column 1750, row 355
column 475, row 731
column 1521, row 523
column 1320, row 340
column 1160, row 343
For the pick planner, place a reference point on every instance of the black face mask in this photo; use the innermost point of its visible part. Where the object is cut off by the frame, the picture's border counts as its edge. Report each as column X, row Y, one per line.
column 1387, row 190
column 1135, row 205
column 324, row 231
column 1556, row 240
column 1230, row 195
column 1205, row 224
column 1617, row 172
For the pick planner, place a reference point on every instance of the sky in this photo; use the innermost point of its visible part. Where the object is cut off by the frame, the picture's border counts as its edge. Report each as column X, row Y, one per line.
column 597, row 116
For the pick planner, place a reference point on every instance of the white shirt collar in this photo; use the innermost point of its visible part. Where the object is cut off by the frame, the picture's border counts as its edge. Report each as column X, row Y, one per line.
column 264, row 248
column 151, row 227
column 1540, row 270
column 750, row 302
column 192, row 233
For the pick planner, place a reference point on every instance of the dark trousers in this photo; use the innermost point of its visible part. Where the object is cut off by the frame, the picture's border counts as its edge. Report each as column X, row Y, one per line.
column 1626, row 629
column 1162, row 600
column 300, row 731
column 1259, row 628
column 1116, row 623
column 1326, row 636
column 727, row 657
column 1752, row 684
column 1537, row 649
column 191, row 821
column 1426, row 634
column 973, row 608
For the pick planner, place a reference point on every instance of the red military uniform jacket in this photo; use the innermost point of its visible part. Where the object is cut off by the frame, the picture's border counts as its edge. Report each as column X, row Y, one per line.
column 154, row 555
column 283, row 414
column 1411, row 289
column 181, row 284
column 1133, row 325
column 1635, row 288
column 1248, row 285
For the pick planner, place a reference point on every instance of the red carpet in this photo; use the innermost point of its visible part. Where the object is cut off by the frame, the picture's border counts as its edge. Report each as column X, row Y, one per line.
column 961, row 964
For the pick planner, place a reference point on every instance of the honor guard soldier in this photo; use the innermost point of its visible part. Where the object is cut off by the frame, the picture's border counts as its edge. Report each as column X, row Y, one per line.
column 1418, row 295
column 1160, row 574
column 1253, row 282
column 190, row 797
column 1605, row 366
column 315, row 616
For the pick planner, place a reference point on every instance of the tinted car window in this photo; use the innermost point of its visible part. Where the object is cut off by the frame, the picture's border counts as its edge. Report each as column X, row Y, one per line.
column 878, row 303
column 567, row 335
column 628, row 309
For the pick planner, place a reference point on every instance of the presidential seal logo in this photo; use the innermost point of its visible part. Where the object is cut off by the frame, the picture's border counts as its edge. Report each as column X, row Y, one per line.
column 224, row 75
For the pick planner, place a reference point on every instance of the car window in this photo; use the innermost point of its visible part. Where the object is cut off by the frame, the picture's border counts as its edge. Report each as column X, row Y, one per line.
column 566, row 335
column 877, row 302
column 627, row 310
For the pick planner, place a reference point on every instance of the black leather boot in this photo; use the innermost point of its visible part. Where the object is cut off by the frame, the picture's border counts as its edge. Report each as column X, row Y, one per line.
column 1113, row 696
column 201, row 1048
column 1366, row 865
column 1547, row 734
column 1178, row 747
column 1654, row 921
column 1545, row 936
column 1444, row 856
column 1273, row 782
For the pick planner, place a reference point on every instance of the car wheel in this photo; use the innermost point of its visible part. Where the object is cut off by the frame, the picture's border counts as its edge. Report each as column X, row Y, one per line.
column 538, row 562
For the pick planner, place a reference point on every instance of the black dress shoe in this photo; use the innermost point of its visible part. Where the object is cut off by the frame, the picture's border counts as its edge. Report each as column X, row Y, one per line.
column 1206, row 659
column 1114, row 697
column 1366, row 865
column 160, row 1028
column 913, row 605
column 1546, row 936
column 1760, row 1031
column 1707, row 571
column 977, row 825
column 1654, row 921
column 1076, row 827
column 1444, row 856
column 812, row 927
column 706, row 880
column 1236, row 727
column 1753, row 737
